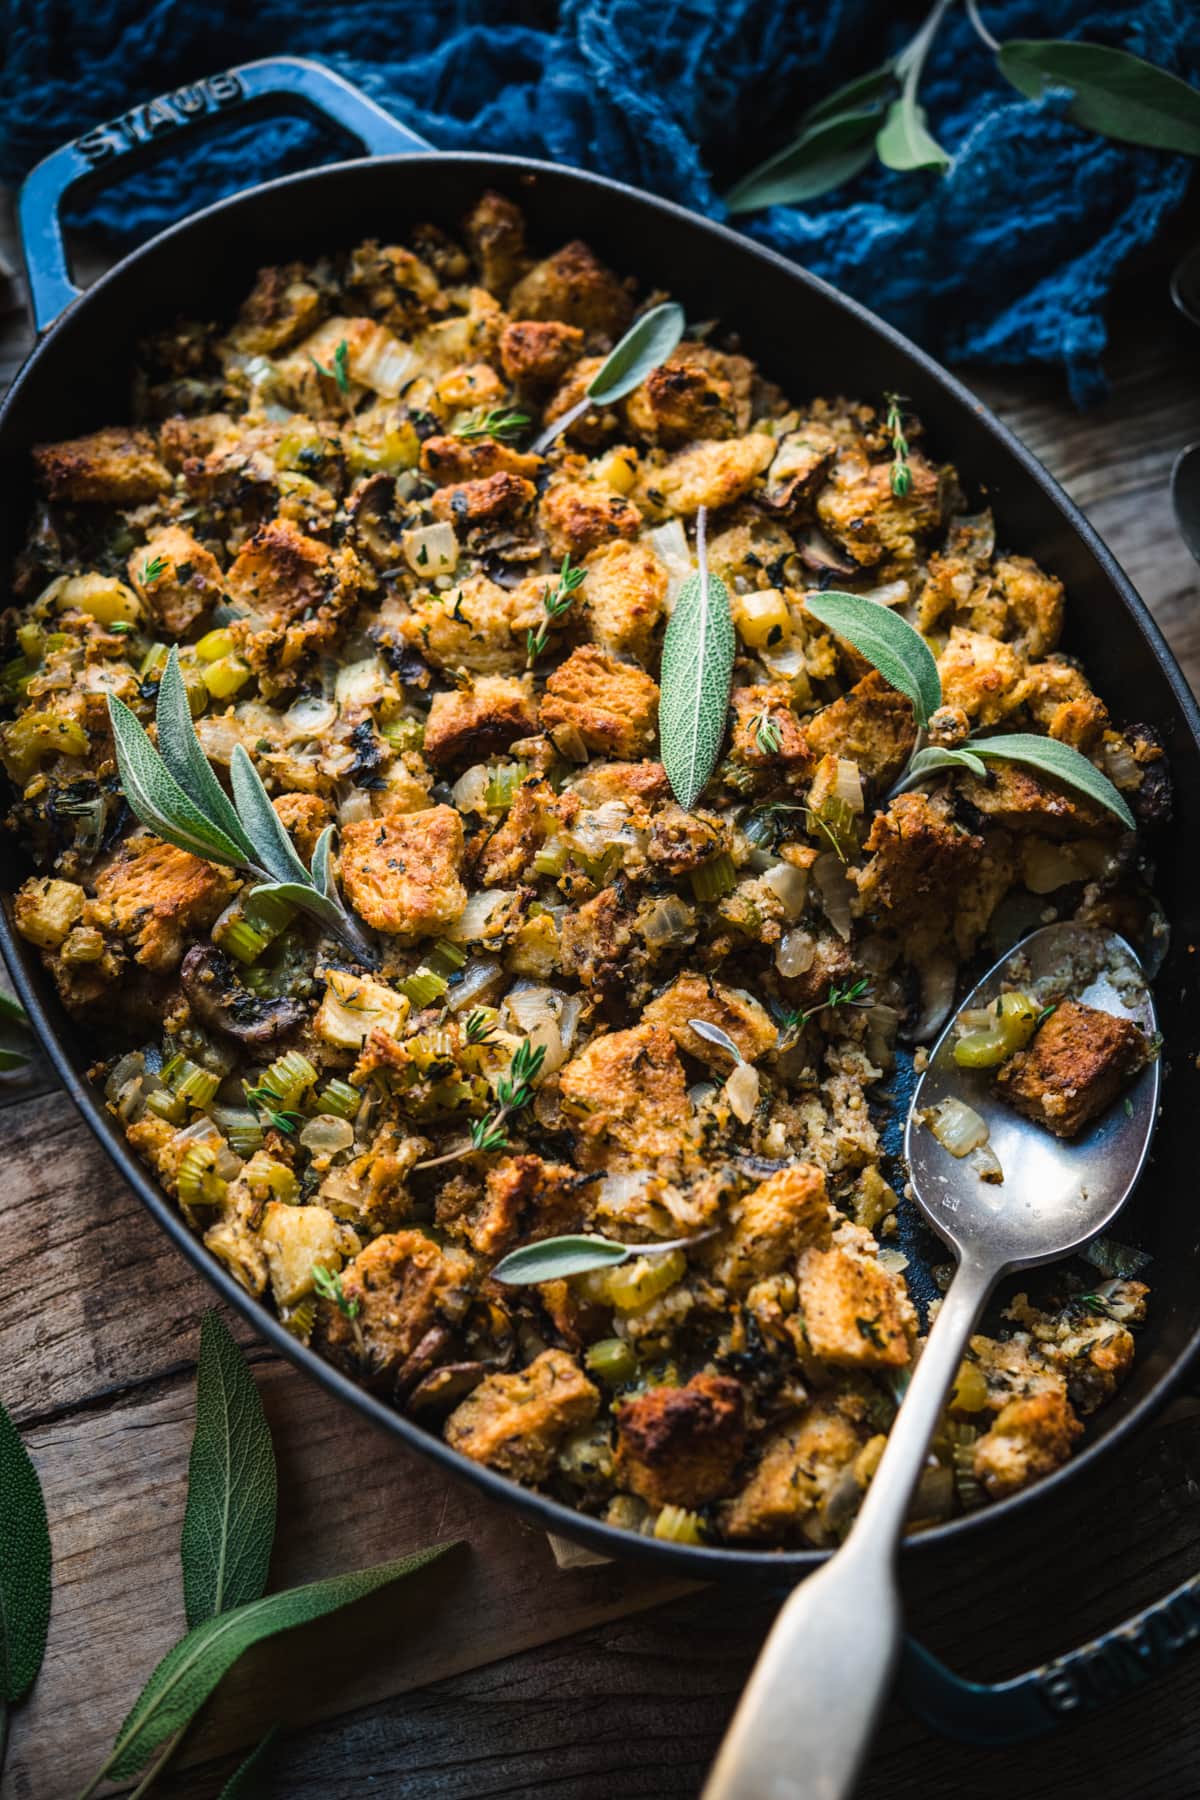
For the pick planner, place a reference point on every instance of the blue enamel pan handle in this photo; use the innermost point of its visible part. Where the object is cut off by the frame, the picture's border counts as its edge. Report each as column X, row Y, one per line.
column 108, row 152
column 1087, row 1680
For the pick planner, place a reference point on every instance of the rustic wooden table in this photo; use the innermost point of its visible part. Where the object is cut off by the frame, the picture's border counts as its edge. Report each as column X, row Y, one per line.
column 497, row 1672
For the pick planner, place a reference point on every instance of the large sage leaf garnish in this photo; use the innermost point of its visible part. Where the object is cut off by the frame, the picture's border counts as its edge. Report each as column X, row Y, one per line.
column 244, row 1784
column 174, row 792
column 648, row 342
column 887, row 641
column 1112, row 92
column 553, row 1259
column 229, row 1524
column 904, row 140
column 24, row 1572
column 697, row 673
column 928, row 762
column 1061, row 762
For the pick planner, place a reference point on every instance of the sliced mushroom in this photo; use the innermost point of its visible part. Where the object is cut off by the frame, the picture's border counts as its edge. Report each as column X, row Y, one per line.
column 817, row 553
column 221, row 1003
column 418, row 1365
column 441, row 1391
column 799, row 469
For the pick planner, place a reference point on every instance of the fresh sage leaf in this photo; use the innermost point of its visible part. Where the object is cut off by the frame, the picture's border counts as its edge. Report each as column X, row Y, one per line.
column 24, row 1569
column 12, row 1009
column 887, row 641
column 553, row 1259
column 824, row 156
column 1113, row 93
column 229, row 1524
column 273, row 848
column 157, row 798
column 648, row 342
column 904, row 141
column 187, row 1675
column 697, row 673
column 713, row 1034
column 303, row 895
column 181, row 751
column 928, row 762
column 11, row 1060
column 244, row 1783
column 869, row 90
column 322, row 871
column 1062, row 763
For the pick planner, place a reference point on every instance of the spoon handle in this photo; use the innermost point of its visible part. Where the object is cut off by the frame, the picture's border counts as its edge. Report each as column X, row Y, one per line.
column 804, row 1724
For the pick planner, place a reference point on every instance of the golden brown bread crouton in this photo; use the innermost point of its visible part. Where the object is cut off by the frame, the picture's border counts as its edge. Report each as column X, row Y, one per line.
column 799, row 1465
column 305, row 816
column 627, row 1092
column 983, row 676
column 494, row 500
column 1074, row 1067
column 182, row 440
column 505, row 857
column 468, row 724
column 1019, row 800
column 477, row 625
column 737, row 1014
column 177, row 579
column 679, row 1446
column 458, row 459
column 709, row 474
column 756, row 710
column 872, row 725
column 157, row 894
column 525, row 1198
column 855, row 1315
column 401, row 873
column 1032, row 1435
column 871, row 523
column 280, row 307
column 773, row 1224
column 45, row 909
column 612, row 705
column 406, row 1286
column 392, row 284
column 118, row 466
column 623, row 595
column 595, row 939
column 681, row 400
column 1063, row 705
column 535, row 353
column 280, row 573
column 916, row 851
column 577, row 516
column 572, row 285
column 1034, row 602
column 494, row 230
column 516, row 1423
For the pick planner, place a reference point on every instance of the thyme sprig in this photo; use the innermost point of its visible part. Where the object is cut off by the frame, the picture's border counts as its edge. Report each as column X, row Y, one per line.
column 901, row 476
column 328, row 1284
column 264, row 1104
column 497, row 422
column 514, row 1092
column 152, row 568
column 768, row 737
column 857, row 994
column 557, row 599
column 340, row 372
column 478, row 1027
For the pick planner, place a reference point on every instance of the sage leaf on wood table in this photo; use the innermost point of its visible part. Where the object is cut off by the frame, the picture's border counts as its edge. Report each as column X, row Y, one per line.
column 24, row 1572
column 648, row 343
column 1061, row 762
column 697, row 673
column 1112, row 92
column 229, row 1524
column 244, row 1783
column 887, row 641
column 187, row 1675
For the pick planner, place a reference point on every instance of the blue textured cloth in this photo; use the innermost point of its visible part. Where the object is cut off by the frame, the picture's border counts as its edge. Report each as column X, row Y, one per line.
column 1008, row 260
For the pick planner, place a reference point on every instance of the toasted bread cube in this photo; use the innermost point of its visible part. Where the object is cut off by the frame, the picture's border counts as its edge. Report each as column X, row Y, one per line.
column 762, row 713
column 1031, row 1437
column 983, row 676
column 401, row 873
column 503, row 861
column 1020, row 800
column 280, row 573
column 709, row 474
column 305, row 816
column 872, row 523
column 578, row 516
column 773, row 1225
column 279, row 308
column 469, row 724
column 495, row 234
column 612, row 705
column 45, row 910
column 679, row 1446
column 917, row 852
column 535, row 353
column 517, row 1423
column 478, row 625
column 855, row 1315
column 872, row 725
column 354, row 1006
column 494, row 500
column 294, row 1238
column 118, row 466
column 1034, row 601
column 526, row 1198
column 798, row 1467
column 682, row 400
column 406, row 1287
column 156, row 895
column 574, row 287
column 733, row 1011
column 627, row 1093
column 456, row 459
column 1074, row 1067
column 177, row 579
column 624, row 595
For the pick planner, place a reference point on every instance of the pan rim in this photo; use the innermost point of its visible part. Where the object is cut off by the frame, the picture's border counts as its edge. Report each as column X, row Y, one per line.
column 708, row 1562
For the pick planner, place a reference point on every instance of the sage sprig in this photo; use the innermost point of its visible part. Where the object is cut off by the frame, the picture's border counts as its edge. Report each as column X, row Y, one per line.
column 243, row 1784
column 697, row 673
column 1113, row 93
column 904, row 140
column 24, row 1573
column 174, row 792
column 553, row 1259
column 906, row 662
column 648, row 342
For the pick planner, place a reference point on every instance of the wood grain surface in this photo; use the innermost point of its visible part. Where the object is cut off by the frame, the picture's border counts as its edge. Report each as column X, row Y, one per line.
column 497, row 1672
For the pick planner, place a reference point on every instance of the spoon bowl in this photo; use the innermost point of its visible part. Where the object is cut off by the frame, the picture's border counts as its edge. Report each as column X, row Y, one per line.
column 1185, row 496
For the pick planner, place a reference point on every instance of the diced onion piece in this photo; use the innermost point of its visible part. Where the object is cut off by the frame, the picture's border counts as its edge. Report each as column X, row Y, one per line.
column 354, row 1006
column 431, row 550
column 741, row 1091
column 361, row 683
column 309, row 717
column 668, row 920
column 957, row 1127
column 847, row 784
column 891, row 593
column 539, row 1013
column 894, row 1262
column 380, row 361
column 481, row 975
column 834, row 891
column 326, row 1135
column 669, row 543
column 790, row 884
column 472, row 921
column 469, row 792
column 986, row 1164
column 568, row 741
column 1121, row 765
column 795, row 953
column 356, row 805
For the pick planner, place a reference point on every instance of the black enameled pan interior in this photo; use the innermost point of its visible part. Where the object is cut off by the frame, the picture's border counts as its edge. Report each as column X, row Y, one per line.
column 812, row 341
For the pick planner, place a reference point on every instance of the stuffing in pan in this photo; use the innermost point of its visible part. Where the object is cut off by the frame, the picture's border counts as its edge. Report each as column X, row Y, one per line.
column 509, row 989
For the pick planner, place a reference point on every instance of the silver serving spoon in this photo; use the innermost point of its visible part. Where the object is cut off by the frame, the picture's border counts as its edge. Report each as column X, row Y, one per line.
column 805, row 1720
column 1185, row 496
